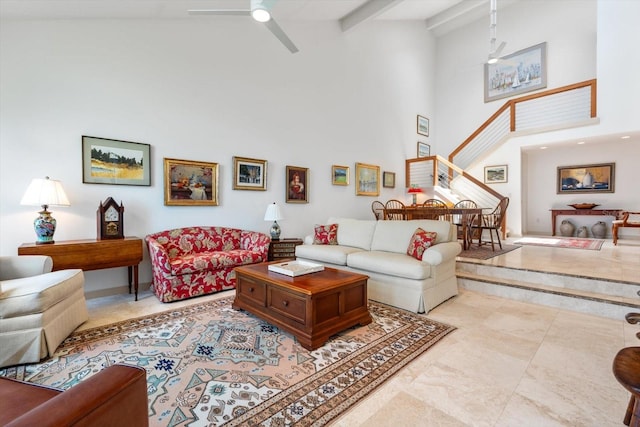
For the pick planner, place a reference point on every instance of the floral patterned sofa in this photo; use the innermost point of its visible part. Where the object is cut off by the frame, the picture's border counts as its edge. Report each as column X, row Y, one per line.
column 193, row 261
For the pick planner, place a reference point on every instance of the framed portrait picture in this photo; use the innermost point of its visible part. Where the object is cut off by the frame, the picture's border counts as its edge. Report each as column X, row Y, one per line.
column 297, row 181
column 389, row 179
column 596, row 178
column 249, row 174
column 367, row 180
column 340, row 175
column 495, row 174
column 110, row 161
column 423, row 126
column 519, row 72
column 190, row 183
column 424, row 149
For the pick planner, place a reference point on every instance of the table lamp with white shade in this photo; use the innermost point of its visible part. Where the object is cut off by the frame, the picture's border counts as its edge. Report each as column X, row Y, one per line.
column 273, row 214
column 45, row 192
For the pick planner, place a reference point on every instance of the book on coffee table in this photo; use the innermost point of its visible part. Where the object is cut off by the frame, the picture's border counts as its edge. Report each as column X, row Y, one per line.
column 295, row 268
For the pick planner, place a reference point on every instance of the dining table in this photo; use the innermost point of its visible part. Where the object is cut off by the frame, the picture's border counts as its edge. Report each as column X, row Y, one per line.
column 467, row 217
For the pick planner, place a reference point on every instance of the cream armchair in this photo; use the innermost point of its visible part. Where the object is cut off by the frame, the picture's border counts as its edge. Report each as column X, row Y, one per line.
column 38, row 308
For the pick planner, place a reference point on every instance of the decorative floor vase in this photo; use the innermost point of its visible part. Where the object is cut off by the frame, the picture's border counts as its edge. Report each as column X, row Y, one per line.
column 599, row 230
column 567, row 228
column 583, row 232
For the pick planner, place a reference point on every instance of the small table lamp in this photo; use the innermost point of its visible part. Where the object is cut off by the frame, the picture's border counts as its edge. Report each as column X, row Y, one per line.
column 45, row 192
column 414, row 190
column 273, row 214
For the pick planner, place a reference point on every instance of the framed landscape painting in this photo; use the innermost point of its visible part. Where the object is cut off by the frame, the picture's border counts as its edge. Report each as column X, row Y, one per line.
column 190, row 183
column 340, row 175
column 367, row 180
column 423, row 126
column 110, row 161
column 389, row 179
column 519, row 72
column 249, row 174
column 595, row 178
column 495, row 174
column 424, row 149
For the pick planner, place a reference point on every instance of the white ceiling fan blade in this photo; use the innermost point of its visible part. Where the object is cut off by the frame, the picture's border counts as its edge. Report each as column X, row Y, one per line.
column 238, row 12
column 277, row 31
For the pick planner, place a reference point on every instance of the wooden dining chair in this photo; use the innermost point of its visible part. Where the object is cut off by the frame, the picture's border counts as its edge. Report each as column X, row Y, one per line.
column 378, row 209
column 438, row 204
column 491, row 222
column 468, row 219
column 394, row 204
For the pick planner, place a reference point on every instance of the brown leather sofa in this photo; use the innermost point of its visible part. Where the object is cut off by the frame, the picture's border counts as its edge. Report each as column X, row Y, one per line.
column 115, row 396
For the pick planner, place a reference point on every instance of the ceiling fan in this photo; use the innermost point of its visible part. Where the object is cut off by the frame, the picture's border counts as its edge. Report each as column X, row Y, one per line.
column 260, row 10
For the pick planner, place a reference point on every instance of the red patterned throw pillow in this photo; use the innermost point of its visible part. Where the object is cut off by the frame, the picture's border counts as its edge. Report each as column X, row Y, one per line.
column 325, row 234
column 420, row 242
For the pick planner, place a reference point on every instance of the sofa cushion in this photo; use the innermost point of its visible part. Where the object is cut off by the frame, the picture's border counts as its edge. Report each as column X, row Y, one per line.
column 420, row 242
column 356, row 233
column 209, row 261
column 392, row 264
column 325, row 234
column 333, row 254
column 189, row 240
column 394, row 236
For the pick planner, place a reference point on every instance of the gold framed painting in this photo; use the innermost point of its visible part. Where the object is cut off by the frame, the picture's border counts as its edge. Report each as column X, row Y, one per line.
column 595, row 178
column 340, row 175
column 249, row 174
column 297, row 185
column 190, row 183
column 367, row 180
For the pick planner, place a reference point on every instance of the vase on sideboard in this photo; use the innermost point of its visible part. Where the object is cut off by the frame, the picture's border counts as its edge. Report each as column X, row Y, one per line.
column 567, row 228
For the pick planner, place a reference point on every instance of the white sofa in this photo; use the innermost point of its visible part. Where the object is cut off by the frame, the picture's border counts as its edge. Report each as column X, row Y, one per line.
column 379, row 250
column 38, row 308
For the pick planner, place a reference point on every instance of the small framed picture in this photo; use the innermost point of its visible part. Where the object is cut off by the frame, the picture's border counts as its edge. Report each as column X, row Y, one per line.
column 340, row 175
column 249, row 174
column 190, row 183
column 297, row 185
column 424, row 149
column 367, row 180
column 423, row 126
column 110, row 161
column 389, row 179
column 495, row 174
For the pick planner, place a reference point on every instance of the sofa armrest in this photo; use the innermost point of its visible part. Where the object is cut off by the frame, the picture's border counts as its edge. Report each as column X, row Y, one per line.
column 159, row 256
column 255, row 241
column 442, row 252
column 116, row 395
column 19, row 266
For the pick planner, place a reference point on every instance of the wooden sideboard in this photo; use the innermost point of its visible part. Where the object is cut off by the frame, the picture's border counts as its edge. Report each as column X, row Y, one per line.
column 92, row 254
column 571, row 212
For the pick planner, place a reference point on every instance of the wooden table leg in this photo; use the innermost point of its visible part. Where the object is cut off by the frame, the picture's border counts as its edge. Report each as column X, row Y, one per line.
column 129, row 274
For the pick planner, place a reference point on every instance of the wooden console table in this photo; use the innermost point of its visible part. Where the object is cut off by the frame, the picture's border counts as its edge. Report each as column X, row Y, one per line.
column 571, row 212
column 92, row 255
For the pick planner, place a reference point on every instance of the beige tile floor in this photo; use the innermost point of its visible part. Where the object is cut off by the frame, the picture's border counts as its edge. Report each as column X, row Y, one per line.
column 508, row 363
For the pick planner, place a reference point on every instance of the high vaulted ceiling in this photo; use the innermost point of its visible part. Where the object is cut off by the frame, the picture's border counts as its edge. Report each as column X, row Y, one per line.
column 440, row 16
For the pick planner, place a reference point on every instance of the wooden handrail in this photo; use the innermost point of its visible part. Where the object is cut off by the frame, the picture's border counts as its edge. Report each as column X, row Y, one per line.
column 511, row 105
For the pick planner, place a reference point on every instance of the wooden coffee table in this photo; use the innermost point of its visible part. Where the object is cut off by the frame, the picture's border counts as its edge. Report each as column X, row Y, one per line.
column 312, row 307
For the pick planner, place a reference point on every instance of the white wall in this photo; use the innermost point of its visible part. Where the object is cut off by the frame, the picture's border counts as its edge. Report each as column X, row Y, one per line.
column 205, row 90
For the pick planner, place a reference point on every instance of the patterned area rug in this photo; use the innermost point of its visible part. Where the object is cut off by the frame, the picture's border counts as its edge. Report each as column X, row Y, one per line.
column 485, row 252
column 562, row 242
column 209, row 365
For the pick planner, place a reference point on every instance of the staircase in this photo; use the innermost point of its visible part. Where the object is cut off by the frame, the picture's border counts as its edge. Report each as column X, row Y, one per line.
column 595, row 296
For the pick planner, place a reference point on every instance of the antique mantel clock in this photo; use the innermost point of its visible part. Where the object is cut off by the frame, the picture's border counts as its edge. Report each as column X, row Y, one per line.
column 110, row 220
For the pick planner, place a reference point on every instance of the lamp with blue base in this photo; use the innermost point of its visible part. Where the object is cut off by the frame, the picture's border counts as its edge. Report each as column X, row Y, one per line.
column 45, row 192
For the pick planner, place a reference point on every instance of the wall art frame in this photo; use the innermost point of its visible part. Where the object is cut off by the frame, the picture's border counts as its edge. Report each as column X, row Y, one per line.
column 339, row 175
column 190, row 183
column 496, row 174
column 424, row 149
column 592, row 178
column 367, row 180
column 297, row 184
column 422, row 125
column 520, row 72
column 112, row 161
column 389, row 179
column 249, row 174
